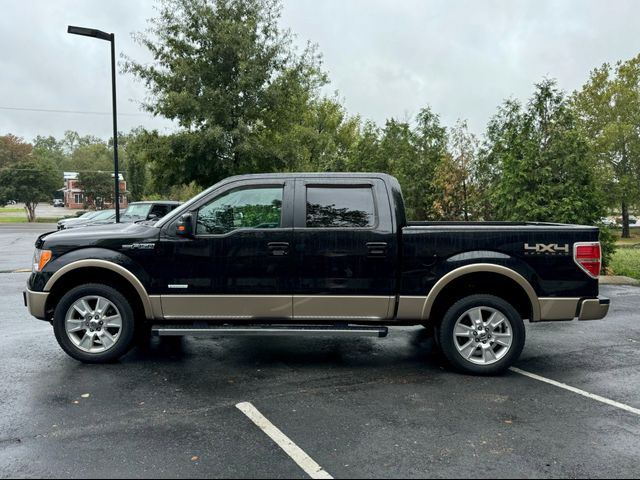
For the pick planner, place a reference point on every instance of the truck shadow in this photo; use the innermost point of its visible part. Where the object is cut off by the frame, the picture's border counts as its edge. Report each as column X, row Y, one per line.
column 401, row 347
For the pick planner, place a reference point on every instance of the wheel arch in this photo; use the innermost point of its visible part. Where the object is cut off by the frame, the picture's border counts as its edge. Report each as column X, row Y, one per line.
column 484, row 278
column 86, row 271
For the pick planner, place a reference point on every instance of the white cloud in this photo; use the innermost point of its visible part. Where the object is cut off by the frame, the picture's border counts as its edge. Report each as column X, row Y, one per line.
column 386, row 59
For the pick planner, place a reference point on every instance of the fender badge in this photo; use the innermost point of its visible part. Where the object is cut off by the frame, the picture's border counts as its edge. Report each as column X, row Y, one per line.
column 139, row 246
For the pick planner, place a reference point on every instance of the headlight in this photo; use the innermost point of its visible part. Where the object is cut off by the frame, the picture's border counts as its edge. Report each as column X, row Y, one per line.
column 40, row 259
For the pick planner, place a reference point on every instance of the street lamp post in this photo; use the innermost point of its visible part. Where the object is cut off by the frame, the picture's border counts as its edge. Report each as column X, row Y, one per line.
column 110, row 37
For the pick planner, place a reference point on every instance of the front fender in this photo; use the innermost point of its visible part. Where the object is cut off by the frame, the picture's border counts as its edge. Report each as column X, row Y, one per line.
column 41, row 281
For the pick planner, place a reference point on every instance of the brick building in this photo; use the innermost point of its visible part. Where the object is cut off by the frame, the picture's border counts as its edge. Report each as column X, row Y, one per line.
column 74, row 196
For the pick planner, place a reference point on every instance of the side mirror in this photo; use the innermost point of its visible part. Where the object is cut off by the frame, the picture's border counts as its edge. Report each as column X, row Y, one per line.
column 152, row 216
column 184, row 227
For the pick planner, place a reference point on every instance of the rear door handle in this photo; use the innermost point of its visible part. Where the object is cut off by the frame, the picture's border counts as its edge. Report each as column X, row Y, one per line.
column 377, row 249
column 278, row 249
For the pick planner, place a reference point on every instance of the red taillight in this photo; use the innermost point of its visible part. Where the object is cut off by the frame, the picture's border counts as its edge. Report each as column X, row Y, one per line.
column 588, row 257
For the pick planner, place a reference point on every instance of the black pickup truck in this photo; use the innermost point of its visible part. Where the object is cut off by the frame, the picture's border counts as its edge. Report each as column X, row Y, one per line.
column 313, row 254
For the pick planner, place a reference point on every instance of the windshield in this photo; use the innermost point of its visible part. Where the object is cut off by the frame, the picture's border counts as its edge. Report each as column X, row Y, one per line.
column 87, row 216
column 136, row 212
column 104, row 215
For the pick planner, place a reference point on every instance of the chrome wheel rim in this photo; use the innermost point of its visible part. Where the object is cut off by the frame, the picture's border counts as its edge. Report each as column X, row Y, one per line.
column 93, row 324
column 483, row 335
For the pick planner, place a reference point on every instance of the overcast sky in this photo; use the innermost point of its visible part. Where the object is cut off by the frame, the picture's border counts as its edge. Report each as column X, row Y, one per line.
column 385, row 58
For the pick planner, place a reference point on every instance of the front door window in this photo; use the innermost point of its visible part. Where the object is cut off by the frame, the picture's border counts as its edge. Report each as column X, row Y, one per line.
column 253, row 208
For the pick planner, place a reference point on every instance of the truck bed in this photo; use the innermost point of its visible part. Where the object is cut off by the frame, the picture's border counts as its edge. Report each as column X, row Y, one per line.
column 430, row 249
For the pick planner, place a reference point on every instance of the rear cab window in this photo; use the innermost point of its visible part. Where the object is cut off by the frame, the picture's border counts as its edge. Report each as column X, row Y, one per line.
column 338, row 206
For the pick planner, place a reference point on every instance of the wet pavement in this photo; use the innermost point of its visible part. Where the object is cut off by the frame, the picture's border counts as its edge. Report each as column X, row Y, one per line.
column 17, row 244
column 359, row 407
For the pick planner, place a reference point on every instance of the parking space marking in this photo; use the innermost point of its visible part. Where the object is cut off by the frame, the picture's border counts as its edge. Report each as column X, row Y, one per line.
column 298, row 455
column 592, row 396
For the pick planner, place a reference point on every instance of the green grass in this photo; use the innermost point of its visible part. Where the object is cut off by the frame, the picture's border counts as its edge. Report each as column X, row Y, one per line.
column 626, row 261
column 11, row 210
column 24, row 219
column 635, row 237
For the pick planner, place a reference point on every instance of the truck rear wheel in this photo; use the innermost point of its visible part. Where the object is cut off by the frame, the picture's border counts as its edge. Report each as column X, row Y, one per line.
column 94, row 323
column 482, row 335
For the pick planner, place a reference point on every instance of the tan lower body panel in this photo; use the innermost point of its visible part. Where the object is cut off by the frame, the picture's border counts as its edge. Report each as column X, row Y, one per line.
column 411, row 308
column 36, row 302
column 282, row 307
column 593, row 309
column 558, row 308
column 156, row 306
column 329, row 307
column 237, row 307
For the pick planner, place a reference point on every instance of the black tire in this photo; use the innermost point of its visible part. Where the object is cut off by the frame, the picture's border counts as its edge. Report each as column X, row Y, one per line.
column 447, row 337
column 127, row 331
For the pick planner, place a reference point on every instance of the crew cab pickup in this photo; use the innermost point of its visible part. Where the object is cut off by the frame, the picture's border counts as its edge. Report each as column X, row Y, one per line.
column 313, row 254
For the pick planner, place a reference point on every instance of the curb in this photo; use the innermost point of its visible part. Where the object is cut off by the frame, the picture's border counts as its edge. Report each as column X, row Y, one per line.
column 618, row 280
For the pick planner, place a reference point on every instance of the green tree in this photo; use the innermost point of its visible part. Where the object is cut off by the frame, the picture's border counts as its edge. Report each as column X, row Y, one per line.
column 412, row 154
column 50, row 149
column 183, row 193
column 457, row 190
column 365, row 156
column 431, row 142
column 71, row 141
column 539, row 162
column 29, row 181
column 320, row 140
column 458, row 173
column 97, row 186
column 450, row 181
column 609, row 111
column 226, row 72
column 137, row 161
column 13, row 150
column 90, row 157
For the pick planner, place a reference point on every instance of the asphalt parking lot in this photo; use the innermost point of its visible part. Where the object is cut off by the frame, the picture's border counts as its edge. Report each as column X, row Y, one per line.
column 357, row 407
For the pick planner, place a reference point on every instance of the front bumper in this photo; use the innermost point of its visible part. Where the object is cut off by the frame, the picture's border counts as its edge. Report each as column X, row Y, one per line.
column 36, row 303
column 594, row 308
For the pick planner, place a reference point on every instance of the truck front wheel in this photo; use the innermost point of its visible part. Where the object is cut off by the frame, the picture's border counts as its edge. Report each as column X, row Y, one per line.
column 482, row 334
column 94, row 323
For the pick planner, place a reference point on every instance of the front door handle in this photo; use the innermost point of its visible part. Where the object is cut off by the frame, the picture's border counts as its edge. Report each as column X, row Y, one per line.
column 278, row 249
column 377, row 249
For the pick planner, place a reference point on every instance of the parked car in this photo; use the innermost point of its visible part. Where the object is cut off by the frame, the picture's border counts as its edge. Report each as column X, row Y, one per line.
column 633, row 221
column 313, row 254
column 58, row 202
column 65, row 222
column 101, row 218
column 152, row 210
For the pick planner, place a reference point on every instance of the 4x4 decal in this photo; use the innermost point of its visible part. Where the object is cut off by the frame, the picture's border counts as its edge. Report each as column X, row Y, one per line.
column 544, row 248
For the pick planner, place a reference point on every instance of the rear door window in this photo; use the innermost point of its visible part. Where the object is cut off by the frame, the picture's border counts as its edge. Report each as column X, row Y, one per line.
column 340, row 207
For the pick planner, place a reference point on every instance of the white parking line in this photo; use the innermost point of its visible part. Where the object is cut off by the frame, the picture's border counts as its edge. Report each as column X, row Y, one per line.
column 303, row 460
column 592, row 396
